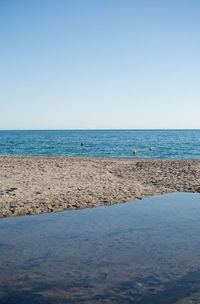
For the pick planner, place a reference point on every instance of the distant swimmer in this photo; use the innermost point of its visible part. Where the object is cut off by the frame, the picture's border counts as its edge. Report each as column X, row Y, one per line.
column 13, row 148
column 81, row 144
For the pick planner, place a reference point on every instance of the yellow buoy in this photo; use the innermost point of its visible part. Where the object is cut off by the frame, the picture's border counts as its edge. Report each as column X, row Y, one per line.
column 150, row 149
column 134, row 151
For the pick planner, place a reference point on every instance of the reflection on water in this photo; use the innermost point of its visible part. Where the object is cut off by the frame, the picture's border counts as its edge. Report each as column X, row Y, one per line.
column 140, row 252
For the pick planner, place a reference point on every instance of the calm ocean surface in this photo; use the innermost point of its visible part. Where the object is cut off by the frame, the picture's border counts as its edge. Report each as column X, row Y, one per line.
column 166, row 144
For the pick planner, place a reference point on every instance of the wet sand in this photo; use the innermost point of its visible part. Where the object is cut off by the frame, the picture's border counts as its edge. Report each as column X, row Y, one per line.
column 34, row 185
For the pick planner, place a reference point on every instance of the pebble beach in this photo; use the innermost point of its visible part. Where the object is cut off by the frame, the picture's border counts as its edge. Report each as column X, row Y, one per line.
column 37, row 184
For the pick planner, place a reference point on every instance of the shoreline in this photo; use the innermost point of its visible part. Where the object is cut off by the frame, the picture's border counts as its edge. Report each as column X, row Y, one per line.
column 39, row 184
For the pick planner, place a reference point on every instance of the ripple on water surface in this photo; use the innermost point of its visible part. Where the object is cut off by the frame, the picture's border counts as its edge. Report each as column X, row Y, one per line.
column 139, row 252
column 166, row 144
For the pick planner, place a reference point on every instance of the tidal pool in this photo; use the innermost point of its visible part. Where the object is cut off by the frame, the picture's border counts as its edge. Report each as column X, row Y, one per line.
column 139, row 252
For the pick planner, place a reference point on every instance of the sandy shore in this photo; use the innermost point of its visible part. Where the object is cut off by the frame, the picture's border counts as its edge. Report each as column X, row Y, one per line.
column 33, row 185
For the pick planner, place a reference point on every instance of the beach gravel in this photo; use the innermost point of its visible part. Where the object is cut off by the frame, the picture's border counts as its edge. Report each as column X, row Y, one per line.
column 36, row 184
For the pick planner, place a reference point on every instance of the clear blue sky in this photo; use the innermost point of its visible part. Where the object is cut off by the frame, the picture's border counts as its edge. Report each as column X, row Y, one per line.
column 79, row 64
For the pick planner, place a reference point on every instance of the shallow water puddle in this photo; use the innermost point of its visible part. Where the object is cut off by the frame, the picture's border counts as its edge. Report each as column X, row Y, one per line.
column 139, row 252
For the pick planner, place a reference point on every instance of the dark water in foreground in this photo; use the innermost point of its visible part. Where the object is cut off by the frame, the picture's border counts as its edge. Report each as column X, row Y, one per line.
column 166, row 144
column 140, row 252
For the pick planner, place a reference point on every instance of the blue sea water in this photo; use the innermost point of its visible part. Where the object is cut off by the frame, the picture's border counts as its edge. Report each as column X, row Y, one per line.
column 166, row 144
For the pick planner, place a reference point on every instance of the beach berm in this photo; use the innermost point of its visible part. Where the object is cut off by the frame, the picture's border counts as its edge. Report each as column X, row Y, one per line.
column 37, row 184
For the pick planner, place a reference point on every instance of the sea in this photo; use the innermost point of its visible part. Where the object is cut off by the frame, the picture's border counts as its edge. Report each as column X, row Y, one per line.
column 164, row 144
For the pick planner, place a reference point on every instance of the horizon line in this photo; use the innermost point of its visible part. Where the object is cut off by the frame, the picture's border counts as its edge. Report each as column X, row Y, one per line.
column 104, row 129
